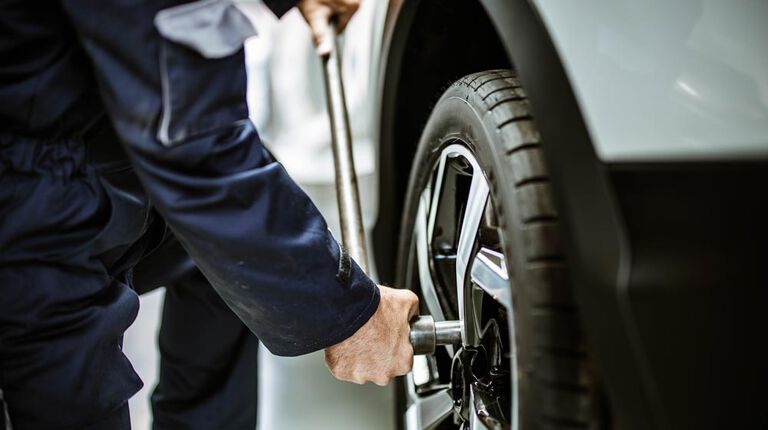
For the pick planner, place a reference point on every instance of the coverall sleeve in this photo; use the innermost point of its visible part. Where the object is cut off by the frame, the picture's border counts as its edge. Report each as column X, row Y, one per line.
column 172, row 78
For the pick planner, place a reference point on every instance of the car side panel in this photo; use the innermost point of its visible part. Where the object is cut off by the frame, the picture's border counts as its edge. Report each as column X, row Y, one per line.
column 663, row 246
column 659, row 80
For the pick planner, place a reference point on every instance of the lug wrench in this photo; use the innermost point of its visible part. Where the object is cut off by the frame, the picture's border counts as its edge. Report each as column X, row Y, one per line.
column 426, row 334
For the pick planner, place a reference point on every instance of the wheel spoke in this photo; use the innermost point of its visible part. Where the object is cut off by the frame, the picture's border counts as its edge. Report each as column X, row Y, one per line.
column 475, row 208
column 455, row 277
column 424, row 372
column 489, row 272
column 428, row 411
column 435, row 197
column 423, row 255
column 474, row 420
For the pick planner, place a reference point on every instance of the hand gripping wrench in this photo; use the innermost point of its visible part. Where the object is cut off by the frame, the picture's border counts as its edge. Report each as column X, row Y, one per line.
column 425, row 334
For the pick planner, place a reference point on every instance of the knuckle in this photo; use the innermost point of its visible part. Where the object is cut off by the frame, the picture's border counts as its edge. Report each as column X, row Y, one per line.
column 405, row 365
column 330, row 363
column 356, row 377
column 406, row 353
column 413, row 297
column 336, row 372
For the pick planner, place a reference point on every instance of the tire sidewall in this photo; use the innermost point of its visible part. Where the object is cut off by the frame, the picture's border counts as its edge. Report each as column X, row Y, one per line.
column 458, row 115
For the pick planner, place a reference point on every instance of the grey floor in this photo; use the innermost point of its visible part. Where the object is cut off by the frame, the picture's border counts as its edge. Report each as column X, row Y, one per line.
column 295, row 393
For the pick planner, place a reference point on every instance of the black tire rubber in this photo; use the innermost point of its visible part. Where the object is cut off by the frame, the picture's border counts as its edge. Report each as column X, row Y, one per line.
column 491, row 114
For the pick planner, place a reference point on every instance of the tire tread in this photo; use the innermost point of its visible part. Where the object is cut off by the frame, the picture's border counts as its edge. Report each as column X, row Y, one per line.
column 559, row 375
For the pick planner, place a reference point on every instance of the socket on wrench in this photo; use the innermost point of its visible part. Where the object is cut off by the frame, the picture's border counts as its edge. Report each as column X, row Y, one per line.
column 426, row 334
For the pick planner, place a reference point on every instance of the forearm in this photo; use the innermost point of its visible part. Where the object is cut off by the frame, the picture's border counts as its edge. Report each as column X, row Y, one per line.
column 260, row 241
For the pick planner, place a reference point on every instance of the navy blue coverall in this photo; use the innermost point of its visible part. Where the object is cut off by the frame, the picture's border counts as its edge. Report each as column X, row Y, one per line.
column 123, row 138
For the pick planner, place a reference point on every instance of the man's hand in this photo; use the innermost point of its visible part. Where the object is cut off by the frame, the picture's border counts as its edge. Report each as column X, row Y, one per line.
column 381, row 349
column 318, row 14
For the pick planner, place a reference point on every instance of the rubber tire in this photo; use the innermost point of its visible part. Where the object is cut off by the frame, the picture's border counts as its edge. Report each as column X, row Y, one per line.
column 491, row 114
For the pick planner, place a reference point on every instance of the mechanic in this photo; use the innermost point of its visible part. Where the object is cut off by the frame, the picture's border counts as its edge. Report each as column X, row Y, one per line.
column 125, row 149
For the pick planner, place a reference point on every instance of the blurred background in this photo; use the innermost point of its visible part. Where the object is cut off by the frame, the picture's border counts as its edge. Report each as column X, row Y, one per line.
column 287, row 103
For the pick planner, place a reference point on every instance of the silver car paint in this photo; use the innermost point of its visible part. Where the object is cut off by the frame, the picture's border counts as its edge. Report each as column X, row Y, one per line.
column 661, row 80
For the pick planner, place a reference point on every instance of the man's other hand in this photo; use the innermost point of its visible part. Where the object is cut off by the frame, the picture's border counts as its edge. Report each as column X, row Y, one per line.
column 381, row 349
column 318, row 14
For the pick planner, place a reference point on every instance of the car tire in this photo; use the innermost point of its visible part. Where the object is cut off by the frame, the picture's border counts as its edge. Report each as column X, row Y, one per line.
column 555, row 386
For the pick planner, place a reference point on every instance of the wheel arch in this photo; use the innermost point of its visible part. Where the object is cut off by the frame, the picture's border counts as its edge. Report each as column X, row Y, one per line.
column 423, row 54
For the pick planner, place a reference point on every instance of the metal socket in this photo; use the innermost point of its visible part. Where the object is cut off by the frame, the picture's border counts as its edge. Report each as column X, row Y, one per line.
column 426, row 334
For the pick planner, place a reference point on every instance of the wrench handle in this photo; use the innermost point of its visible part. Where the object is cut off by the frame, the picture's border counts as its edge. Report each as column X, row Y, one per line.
column 348, row 196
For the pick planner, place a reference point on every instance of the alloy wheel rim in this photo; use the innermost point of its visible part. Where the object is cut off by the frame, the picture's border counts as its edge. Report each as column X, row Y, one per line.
column 461, row 273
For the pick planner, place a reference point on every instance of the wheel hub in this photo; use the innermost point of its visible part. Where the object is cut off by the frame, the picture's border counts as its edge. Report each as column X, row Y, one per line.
column 461, row 275
column 480, row 382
